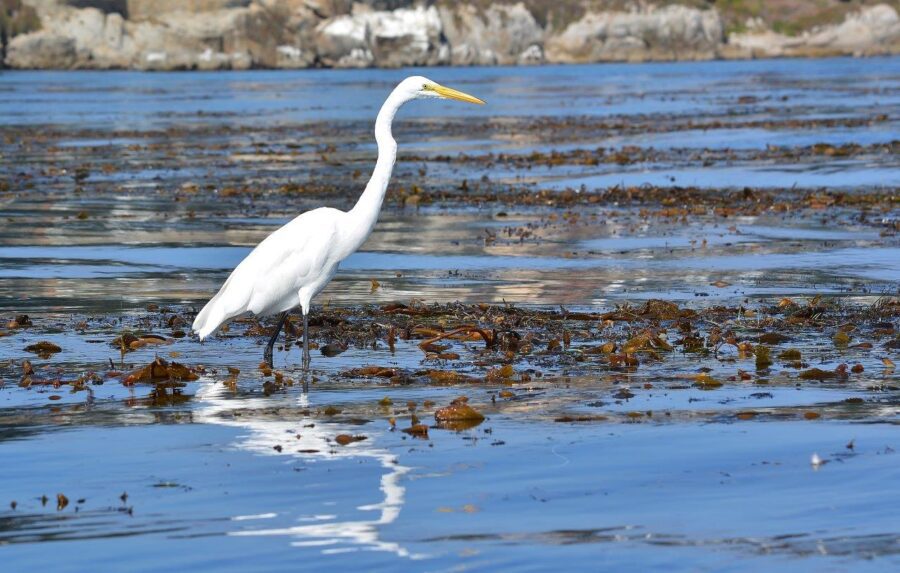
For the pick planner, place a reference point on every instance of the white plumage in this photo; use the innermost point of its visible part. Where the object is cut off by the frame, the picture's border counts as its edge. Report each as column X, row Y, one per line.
column 293, row 264
column 287, row 269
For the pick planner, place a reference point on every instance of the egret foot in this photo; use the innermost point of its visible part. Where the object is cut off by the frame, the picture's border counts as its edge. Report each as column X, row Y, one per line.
column 267, row 353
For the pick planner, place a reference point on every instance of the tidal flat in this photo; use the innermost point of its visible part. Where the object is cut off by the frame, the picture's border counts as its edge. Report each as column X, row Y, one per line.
column 623, row 316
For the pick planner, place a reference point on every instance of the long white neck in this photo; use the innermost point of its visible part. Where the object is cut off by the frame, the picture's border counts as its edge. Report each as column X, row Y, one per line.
column 364, row 214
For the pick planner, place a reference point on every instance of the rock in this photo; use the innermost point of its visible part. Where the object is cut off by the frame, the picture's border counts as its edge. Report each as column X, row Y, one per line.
column 292, row 57
column 402, row 37
column 148, row 9
column 40, row 50
column 874, row 30
column 77, row 38
column 233, row 38
column 669, row 33
column 343, row 42
column 408, row 38
column 239, row 34
column 502, row 34
column 533, row 54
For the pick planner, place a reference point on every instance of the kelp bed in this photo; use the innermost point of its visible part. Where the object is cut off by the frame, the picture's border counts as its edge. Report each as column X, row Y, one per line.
column 505, row 353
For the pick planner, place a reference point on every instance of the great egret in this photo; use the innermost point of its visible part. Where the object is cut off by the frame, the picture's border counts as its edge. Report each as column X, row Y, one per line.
column 293, row 264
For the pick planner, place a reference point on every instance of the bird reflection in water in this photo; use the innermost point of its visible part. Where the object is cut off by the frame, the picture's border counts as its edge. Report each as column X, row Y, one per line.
column 327, row 531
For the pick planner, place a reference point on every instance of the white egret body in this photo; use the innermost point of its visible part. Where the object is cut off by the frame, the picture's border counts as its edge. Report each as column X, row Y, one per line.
column 293, row 264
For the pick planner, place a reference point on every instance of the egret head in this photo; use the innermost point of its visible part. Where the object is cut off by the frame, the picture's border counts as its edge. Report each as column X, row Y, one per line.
column 418, row 87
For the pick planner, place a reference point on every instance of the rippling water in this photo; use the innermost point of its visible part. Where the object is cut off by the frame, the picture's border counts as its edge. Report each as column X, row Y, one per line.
column 688, row 488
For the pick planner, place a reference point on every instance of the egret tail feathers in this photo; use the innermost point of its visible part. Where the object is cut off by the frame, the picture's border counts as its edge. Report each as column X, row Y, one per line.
column 208, row 320
column 213, row 315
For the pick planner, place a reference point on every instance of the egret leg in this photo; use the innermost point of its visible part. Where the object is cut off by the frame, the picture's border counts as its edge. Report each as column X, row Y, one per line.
column 267, row 354
column 306, row 357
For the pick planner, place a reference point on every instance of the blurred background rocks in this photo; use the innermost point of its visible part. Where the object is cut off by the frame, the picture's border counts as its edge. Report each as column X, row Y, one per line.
column 241, row 34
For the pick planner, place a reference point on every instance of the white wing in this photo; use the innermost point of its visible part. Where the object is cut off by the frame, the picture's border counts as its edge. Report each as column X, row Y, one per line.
column 269, row 278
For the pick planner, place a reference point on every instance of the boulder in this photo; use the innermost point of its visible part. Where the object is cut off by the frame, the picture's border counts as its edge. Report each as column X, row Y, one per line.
column 40, row 50
column 344, row 42
column 73, row 38
column 408, row 37
column 669, row 33
column 502, row 34
column 874, row 30
column 402, row 37
column 238, row 34
column 221, row 39
column 235, row 38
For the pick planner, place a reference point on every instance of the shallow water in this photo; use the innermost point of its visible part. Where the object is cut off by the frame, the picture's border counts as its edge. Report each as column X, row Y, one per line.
column 669, row 477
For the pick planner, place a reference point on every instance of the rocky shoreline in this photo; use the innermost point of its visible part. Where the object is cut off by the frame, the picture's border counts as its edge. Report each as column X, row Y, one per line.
column 244, row 34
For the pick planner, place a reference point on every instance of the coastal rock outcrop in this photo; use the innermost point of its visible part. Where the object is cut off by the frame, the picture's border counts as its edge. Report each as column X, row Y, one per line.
column 220, row 39
column 42, row 51
column 144, row 9
column 239, row 34
column 504, row 34
column 385, row 38
column 872, row 31
column 88, row 41
column 667, row 33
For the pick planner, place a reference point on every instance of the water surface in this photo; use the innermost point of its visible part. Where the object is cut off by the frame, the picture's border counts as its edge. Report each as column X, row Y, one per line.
column 124, row 190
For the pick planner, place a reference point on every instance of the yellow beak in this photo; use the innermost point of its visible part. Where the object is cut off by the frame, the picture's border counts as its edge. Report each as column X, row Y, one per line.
column 450, row 93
